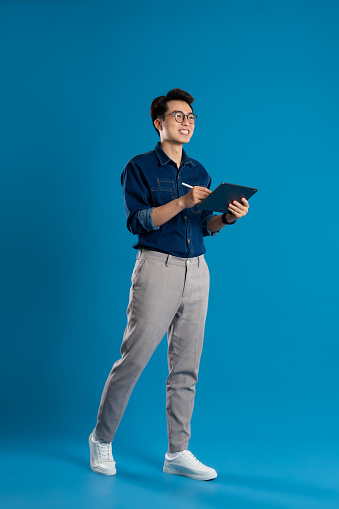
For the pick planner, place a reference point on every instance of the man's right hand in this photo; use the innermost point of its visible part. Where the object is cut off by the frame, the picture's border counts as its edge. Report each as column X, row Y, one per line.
column 164, row 213
column 195, row 195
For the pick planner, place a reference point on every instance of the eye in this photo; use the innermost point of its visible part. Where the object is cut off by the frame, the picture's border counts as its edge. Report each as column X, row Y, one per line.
column 179, row 116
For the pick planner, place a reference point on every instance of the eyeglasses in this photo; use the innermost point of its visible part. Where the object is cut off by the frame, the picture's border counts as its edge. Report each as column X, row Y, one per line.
column 180, row 116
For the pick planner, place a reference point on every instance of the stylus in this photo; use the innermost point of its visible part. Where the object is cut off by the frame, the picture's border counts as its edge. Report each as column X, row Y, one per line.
column 187, row 185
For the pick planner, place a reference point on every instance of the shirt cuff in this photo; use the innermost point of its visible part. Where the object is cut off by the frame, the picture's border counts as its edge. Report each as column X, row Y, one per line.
column 205, row 227
column 145, row 219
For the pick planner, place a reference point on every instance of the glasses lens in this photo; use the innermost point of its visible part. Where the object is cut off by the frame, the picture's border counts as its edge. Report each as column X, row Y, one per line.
column 179, row 117
column 192, row 118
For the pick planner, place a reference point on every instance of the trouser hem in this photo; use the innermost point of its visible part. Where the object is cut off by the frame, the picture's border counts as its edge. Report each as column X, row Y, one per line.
column 103, row 436
column 178, row 448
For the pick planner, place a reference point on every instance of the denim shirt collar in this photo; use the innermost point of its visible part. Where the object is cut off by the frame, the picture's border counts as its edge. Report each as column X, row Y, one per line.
column 164, row 159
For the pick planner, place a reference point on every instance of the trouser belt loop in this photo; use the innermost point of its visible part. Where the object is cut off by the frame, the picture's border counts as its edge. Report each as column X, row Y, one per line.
column 198, row 261
column 139, row 254
column 166, row 263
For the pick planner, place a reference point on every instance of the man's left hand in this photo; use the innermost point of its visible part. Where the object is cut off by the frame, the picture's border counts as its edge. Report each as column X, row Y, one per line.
column 238, row 209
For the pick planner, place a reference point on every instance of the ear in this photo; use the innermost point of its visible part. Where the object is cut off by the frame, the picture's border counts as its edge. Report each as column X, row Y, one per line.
column 157, row 123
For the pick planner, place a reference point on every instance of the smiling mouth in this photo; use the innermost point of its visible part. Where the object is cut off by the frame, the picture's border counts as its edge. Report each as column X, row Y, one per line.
column 184, row 132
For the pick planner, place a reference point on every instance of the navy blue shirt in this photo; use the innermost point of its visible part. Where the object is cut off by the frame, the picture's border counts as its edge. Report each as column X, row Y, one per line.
column 152, row 179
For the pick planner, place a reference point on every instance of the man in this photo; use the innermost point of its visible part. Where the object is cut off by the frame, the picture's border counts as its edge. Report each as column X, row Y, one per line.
column 170, row 283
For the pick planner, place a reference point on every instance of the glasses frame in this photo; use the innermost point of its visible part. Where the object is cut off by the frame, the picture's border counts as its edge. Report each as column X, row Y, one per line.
column 178, row 111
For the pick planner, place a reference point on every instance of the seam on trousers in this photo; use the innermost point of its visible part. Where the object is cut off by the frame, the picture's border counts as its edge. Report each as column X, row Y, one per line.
column 133, row 383
column 173, row 357
column 191, row 287
column 138, row 374
column 147, row 355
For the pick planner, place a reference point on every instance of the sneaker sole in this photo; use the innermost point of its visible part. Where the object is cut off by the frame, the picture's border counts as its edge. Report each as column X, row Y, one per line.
column 98, row 470
column 184, row 473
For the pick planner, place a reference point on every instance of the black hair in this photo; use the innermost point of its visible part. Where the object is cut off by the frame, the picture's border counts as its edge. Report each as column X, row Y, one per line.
column 159, row 104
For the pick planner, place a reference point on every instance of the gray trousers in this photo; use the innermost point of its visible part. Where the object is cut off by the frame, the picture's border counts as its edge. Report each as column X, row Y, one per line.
column 167, row 294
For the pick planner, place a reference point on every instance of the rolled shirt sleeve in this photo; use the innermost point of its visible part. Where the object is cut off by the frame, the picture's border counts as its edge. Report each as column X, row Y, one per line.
column 205, row 221
column 145, row 218
column 136, row 200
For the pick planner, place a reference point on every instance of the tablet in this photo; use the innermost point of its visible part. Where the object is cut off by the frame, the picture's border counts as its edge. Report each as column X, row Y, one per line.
column 224, row 194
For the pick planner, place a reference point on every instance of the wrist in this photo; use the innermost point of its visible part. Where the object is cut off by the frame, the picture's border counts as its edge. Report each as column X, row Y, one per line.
column 181, row 203
column 228, row 218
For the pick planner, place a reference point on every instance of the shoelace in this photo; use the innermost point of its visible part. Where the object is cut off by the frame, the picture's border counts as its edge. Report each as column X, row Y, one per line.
column 105, row 451
column 191, row 457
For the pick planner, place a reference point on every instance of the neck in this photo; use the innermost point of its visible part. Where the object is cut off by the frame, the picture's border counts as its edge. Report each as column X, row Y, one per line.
column 173, row 150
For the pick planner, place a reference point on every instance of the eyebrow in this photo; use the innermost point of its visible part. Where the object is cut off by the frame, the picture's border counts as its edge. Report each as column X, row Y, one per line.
column 180, row 111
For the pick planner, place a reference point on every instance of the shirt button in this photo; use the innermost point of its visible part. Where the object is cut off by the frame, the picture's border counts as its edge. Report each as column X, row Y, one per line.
column 185, row 217
column 189, row 241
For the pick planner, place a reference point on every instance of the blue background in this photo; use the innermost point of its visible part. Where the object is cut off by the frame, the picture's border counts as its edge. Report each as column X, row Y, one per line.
column 78, row 79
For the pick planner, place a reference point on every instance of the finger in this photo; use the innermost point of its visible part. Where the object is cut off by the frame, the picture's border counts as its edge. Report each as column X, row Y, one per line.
column 234, row 212
column 240, row 206
column 200, row 188
column 237, row 214
column 237, row 210
column 199, row 199
column 201, row 195
column 237, row 204
column 245, row 202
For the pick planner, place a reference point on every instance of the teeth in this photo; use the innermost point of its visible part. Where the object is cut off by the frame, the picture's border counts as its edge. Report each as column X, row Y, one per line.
column 183, row 131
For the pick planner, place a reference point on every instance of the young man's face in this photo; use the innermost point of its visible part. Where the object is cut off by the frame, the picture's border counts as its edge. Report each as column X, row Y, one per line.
column 170, row 129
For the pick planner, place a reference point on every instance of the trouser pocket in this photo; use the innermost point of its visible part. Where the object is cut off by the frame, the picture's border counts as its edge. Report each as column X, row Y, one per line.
column 139, row 264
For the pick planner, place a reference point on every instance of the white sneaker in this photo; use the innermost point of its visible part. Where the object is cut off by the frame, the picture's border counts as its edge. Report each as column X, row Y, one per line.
column 187, row 465
column 101, row 461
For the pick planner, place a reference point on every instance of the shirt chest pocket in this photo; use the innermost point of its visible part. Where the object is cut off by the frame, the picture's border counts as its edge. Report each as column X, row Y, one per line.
column 163, row 192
